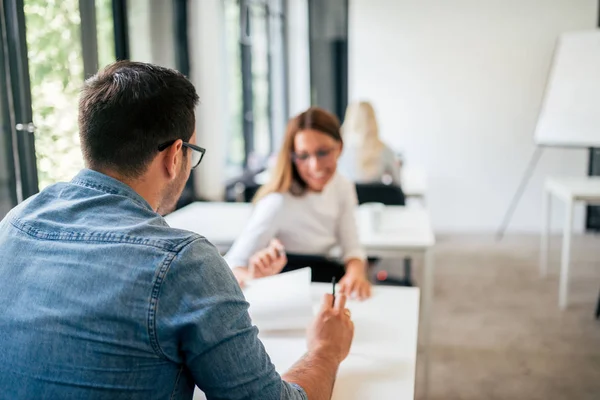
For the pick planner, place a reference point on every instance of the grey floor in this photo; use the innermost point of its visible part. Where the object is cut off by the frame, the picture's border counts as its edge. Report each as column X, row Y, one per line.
column 497, row 332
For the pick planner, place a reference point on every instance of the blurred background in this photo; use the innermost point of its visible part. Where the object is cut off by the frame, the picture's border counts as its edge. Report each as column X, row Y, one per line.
column 457, row 87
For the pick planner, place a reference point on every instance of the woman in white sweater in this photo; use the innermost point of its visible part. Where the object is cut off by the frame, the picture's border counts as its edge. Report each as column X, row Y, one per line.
column 366, row 159
column 305, row 208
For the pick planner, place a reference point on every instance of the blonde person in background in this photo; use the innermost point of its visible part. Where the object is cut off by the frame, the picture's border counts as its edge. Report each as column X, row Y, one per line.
column 306, row 208
column 366, row 159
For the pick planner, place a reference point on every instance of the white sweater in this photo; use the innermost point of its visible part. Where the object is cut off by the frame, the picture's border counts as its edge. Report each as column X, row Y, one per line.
column 314, row 223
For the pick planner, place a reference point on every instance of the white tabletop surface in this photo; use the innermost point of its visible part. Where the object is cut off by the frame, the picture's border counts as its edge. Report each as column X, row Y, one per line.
column 221, row 223
column 585, row 188
column 382, row 360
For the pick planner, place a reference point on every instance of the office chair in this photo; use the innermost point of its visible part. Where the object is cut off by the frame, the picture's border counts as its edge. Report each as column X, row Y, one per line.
column 389, row 195
column 250, row 191
column 323, row 268
column 242, row 188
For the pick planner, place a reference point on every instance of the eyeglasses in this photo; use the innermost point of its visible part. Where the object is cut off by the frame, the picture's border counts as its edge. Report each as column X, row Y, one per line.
column 319, row 155
column 197, row 151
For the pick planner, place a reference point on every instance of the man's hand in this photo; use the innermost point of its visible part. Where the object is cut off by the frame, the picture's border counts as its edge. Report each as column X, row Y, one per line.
column 355, row 284
column 332, row 331
column 269, row 261
column 329, row 340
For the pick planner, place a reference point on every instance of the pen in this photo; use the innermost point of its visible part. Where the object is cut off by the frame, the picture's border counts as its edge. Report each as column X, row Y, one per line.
column 333, row 291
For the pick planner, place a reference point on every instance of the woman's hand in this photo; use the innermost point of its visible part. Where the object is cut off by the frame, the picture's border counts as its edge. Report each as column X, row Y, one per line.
column 241, row 275
column 269, row 261
column 355, row 284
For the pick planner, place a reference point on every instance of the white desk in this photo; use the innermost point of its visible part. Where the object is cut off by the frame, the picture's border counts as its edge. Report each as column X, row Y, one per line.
column 403, row 231
column 382, row 360
column 220, row 223
column 569, row 190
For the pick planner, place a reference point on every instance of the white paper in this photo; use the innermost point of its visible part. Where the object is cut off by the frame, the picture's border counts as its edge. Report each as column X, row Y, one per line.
column 281, row 302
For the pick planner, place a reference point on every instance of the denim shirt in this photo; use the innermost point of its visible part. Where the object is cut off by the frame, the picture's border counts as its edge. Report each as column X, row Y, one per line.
column 101, row 299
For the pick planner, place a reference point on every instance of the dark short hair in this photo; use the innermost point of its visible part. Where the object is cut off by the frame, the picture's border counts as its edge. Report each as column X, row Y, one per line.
column 129, row 109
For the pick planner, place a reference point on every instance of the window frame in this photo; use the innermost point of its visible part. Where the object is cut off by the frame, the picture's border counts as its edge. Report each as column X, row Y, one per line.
column 273, row 9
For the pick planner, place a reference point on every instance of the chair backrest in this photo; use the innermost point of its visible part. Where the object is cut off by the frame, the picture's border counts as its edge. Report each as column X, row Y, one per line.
column 242, row 188
column 250, row 192
column 323, row 268
column 390, row 195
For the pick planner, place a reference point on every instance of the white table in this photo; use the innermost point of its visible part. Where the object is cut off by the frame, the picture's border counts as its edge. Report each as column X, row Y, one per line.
column 404, row 231
column 570, row 191
column 382, row 360
column 221, row 223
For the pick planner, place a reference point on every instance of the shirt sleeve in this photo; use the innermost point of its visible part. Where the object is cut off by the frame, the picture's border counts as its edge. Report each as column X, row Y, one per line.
column 260, row 229
column 347, row 227
column 202, row 322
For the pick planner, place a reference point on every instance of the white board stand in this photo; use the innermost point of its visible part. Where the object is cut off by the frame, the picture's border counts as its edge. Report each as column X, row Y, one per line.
column 570, row 113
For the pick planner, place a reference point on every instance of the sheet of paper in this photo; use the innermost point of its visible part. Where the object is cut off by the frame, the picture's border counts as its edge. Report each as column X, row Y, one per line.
column 281, row 302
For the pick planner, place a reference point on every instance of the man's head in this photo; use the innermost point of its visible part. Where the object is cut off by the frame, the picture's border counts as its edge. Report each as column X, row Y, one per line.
column 126, row 113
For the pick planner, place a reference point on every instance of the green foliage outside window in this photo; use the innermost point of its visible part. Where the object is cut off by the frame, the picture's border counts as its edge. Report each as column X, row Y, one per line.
column 56, row 77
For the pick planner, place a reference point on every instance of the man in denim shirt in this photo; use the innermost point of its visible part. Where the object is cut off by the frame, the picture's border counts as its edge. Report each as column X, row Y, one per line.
column 101, row 299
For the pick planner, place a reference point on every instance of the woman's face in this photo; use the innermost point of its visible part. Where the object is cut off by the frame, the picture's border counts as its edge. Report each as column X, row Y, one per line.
column 315, row 155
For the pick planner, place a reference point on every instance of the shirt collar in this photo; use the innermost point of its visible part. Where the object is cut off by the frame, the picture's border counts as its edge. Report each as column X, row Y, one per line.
column 99, row 181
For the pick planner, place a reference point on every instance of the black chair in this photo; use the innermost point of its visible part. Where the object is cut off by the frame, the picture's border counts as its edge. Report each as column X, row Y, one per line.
column 323, row 268
column 250, row 191
column 242, row 188
column 389, row 195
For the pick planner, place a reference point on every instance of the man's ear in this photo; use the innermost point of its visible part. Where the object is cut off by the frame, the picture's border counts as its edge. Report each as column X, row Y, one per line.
column 172, row 159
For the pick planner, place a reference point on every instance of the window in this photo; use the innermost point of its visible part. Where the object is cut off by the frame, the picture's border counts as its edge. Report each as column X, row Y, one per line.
column 151, row 32
column 56, row 74
column 15, row 102
column 8, row 195
column 254, row 32
column 235, row 155
column 56, row 71
column 105, row 32
column 328, row 22
column 50, row 47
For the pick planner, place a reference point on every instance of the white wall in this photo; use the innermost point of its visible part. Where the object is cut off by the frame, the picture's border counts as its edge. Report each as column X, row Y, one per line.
column 208, row 74
column 298, row 56
column 457, row 86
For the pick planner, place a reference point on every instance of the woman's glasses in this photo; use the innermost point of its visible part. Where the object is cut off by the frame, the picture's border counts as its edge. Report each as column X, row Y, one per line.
column 320, row 155
column 197, row 151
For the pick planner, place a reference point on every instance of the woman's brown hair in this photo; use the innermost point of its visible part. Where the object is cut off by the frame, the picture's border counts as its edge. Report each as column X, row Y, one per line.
column 285, row 176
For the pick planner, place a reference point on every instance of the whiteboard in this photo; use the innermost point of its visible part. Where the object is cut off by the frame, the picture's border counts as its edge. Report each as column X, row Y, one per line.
column 570, row 114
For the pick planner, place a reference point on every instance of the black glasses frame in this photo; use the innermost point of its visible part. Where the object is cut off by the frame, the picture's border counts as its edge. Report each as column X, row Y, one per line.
column 199, row 149
column 319, row 154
